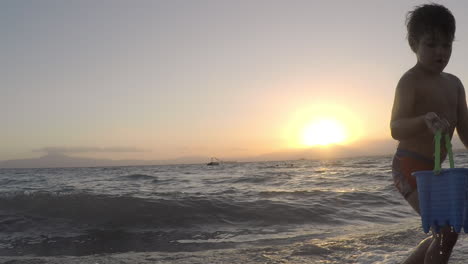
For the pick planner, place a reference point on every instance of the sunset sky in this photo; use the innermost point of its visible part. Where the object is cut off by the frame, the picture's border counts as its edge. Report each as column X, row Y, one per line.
column 164, row 79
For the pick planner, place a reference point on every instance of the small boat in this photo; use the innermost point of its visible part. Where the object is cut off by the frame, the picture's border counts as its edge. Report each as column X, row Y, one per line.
column 214, row 162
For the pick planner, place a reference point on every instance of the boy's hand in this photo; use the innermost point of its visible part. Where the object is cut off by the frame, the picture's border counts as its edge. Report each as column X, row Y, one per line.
column 435, row 123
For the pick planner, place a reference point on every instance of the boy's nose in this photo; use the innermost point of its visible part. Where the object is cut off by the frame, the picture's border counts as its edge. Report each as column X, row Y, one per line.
column 441, row 50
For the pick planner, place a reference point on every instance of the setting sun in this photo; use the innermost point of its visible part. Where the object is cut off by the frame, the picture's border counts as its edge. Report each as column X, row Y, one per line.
column 324, row 132
column 321, row 125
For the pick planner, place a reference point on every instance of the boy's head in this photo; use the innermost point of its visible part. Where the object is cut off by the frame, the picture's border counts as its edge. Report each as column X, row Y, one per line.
column 429, row 19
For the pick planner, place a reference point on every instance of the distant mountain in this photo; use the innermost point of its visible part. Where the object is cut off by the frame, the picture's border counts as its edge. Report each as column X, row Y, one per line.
column 360, row 149
column 367, row 148
column 63, row 161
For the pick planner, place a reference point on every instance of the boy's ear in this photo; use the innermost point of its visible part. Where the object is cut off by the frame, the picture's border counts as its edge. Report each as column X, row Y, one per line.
column 413, row 44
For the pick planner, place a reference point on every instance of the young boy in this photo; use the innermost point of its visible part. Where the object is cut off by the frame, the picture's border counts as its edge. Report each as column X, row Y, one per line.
column 426, row 100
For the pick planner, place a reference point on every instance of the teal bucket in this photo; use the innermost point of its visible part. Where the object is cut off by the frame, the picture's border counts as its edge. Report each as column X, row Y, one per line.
column 443, row 193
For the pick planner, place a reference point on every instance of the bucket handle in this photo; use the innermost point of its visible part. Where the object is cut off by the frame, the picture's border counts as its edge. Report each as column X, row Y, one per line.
column 448, row 146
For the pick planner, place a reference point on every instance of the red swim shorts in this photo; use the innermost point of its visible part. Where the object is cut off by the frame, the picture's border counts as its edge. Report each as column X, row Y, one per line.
column 404, row 163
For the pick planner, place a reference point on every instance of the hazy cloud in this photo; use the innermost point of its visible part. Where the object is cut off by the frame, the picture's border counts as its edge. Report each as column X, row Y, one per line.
column 60, row 150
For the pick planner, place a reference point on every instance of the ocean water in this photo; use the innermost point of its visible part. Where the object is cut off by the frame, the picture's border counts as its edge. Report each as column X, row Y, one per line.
column 334, row 211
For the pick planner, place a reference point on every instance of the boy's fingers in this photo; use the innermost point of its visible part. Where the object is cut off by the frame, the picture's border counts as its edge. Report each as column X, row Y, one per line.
column 447, row 124
column 435, row 123
column 443, row 125
column 431, row 116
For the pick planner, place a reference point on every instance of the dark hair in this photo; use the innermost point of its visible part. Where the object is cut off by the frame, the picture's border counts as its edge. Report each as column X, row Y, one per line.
column 429, row 18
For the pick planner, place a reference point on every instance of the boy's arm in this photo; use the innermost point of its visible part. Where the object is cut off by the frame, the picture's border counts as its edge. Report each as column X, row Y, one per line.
column 462, row 112
column 402, row 124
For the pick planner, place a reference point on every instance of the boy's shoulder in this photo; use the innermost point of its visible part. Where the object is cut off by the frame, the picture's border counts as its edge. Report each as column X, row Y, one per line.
column 412, row 78
column 451, row 77
column 409, row 80
column 455, row 83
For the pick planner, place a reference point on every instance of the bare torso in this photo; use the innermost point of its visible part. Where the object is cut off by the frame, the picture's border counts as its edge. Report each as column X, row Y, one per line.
column 437, row 94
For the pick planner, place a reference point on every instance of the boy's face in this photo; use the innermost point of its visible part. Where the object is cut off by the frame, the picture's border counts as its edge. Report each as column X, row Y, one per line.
column 433, row 51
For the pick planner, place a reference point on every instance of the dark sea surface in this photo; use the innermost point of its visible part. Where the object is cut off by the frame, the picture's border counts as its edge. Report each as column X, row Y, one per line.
column 335, row 211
